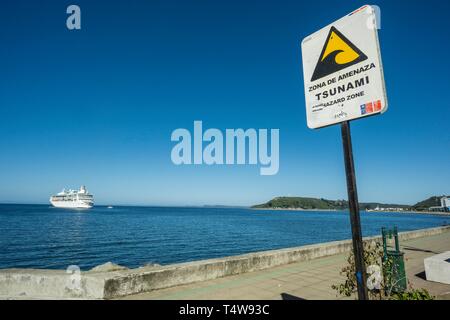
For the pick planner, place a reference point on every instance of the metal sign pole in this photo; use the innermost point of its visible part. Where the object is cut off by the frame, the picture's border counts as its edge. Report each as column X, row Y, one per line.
column 354, row 212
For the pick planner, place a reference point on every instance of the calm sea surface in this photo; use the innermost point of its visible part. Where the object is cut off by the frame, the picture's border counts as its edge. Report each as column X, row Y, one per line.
column 40, row 236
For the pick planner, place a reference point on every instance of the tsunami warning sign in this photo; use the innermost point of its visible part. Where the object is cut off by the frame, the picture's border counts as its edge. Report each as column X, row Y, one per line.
column 342, row 70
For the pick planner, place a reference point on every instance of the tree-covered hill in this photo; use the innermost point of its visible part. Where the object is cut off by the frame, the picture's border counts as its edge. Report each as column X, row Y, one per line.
column 433, row 201
column 319, row 204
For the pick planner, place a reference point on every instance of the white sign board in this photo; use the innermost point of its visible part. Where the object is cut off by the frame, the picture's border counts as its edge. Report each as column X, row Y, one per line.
column 342, row 70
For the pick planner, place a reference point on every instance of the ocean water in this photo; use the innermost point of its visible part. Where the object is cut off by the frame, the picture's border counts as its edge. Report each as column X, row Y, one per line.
column 40, row 236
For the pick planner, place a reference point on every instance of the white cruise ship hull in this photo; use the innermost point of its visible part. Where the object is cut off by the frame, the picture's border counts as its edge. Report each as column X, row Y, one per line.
column 77, row 204
column 73, row 199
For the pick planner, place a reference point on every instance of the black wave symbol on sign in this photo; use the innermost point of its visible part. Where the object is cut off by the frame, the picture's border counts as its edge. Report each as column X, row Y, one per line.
column 329, row 65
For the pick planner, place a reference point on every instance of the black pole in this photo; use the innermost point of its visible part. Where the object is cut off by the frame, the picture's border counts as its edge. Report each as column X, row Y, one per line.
column 354, row 212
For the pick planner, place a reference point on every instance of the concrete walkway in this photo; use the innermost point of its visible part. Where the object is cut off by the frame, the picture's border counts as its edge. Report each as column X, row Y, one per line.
column 305, row 280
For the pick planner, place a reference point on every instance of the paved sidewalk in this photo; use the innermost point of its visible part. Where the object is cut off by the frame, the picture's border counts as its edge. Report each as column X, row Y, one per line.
column 305, row 280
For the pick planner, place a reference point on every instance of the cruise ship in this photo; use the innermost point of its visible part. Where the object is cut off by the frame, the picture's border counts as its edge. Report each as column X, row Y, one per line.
column 76, row 199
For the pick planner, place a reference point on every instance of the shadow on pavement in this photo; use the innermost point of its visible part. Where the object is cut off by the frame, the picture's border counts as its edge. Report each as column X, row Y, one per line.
column 287, row 296
column 419, row 249
column 421, row 275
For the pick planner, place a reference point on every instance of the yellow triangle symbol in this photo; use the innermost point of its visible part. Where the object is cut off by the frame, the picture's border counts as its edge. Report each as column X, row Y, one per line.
column 337, row 53
column 346, row 54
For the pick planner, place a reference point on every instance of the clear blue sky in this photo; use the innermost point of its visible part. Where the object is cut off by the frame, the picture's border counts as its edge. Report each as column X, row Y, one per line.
column 97, row 106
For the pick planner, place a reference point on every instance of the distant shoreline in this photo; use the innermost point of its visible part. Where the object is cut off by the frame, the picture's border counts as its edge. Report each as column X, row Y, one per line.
column 437, row 213
column 421, row 212
column 435, row 205
column 295, row 209
column 376, row 211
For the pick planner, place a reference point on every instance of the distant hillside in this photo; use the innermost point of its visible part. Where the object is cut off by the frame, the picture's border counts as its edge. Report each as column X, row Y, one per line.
column 304, row 203
column 321, row 204
column 433, row 201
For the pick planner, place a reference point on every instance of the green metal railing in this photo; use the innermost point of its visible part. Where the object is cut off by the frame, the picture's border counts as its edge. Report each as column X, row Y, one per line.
column 393, row 262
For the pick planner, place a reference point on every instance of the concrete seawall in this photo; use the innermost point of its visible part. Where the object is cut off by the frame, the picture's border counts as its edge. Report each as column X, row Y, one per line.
column 58, row 284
